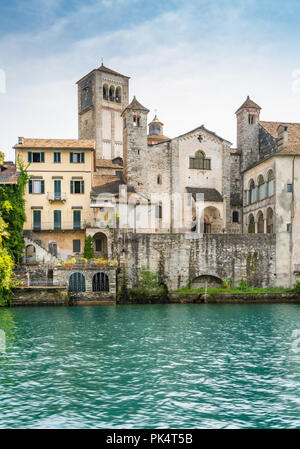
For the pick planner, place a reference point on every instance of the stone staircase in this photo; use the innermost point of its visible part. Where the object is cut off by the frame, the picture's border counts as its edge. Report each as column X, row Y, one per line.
column 42, row 254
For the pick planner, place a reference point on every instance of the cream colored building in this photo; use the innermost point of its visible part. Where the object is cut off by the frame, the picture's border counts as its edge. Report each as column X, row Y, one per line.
column 58, row 192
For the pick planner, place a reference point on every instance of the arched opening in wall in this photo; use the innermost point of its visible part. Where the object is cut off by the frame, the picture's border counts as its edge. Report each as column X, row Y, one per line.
column 207, row 279
column 105, row 92
column 270, row 183
column 261, row 188
column 213, row 222
column 270, row 221
column 111, row 93
column 100, row 282
column 100, row 244
column 30, row 253
column 251, row 198
column 260, row 223
column 77, row 283
column 235, row 216
column 251, row 224
column 118, row 95
column 136, row 120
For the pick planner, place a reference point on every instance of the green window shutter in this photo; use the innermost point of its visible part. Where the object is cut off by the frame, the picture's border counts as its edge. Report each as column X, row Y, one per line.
column 30, row 185
column 82, row 158
column 57, row 219
column 29, row 156
column 42, row 157
column 82, row 187
column 42, row 186
column 59, row 157
column 71, row 157
column 72, row 187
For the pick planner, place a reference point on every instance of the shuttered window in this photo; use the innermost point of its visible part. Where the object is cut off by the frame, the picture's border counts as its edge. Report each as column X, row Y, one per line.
column 77, row 158
column 57, row 219
column 77, row 187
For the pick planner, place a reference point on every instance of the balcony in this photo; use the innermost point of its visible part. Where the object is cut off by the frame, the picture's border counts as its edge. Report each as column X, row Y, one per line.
column 56, row 196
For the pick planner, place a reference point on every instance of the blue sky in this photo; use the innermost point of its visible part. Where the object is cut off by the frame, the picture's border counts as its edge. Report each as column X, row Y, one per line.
column 195, row 61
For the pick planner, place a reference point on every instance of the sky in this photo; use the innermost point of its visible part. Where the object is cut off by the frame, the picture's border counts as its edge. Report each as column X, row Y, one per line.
column 195, row 61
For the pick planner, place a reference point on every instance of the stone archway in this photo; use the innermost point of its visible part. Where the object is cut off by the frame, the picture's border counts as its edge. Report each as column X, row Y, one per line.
column 213, row 222
column 210, row 280
column 100, row 245
column 30, row 253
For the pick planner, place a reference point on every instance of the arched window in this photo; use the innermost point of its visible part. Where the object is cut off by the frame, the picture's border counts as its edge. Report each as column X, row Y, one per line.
column 77, row 283
column 136, row 120
column 100, row 282
column 105, row 92
column 251, row 192
column 118, row 95
column 270, row 221
column 235, row 216
column 261, row 188
column 158, row 179
column 270, row 183
column 251, row 224
column 111, row 93
column 199, row 161
column 260, row 223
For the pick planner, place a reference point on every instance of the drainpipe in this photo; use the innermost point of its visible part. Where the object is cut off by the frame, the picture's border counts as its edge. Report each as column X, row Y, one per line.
column 292, row 222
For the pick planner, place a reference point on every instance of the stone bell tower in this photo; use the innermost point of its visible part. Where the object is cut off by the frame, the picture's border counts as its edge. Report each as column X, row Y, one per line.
column 102, row 95
column 135, row 144
column 248, row 132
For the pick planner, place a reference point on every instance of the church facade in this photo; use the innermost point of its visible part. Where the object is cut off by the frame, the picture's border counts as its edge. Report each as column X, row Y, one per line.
column 198, row 206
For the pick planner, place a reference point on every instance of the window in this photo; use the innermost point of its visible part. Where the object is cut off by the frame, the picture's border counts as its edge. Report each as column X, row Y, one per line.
column 77, row 187
column 200, row 162
column 76, row 246
column 251, row 192
column 98, row 244
column 77, row 158
column 100, row 282
column 57, row 189
column 118, row 95
column 36, row 156
column 270, row 183
column 159, row 179
column 119, row 173
column 36, row 186
column 251, row 119
column 136, row 120
column 290, row 187
column 111, row 93
column 105, row 89
column 158, row 211
column 289, row 227
column 235, row 217
column 57, row 219
column 207, row 228
column 52, row 247
column 251, row 225
column 56, row 157
column 261, row 188
column 36, row 220
column 76, row 219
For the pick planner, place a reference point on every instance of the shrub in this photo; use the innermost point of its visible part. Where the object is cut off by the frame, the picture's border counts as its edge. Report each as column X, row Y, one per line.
column 297, row 288
column 148, row 287
column 243, row 286
column 88, row 248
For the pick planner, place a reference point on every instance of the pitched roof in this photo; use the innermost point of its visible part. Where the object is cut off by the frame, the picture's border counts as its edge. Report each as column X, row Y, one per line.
column 293, row 130
column 209, row 194
column 8, row 173
column 56, row 143
column 102, row 68
column 108, row 163
column 135, row 105
column 111, row 187
column 248, row 104
column 202, row 127
column 153, row 139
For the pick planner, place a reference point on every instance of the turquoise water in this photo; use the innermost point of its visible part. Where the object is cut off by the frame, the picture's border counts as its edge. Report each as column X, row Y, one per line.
column 171, row 366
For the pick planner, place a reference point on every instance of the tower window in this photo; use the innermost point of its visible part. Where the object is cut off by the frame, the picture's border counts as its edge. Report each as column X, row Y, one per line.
column 251, row 119
column 136, row 120
column 159, row 179
column 235, row 217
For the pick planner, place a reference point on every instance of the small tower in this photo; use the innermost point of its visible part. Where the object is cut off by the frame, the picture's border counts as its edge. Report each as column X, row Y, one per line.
column 156, row 132
column 248, row 132
column 135, row 143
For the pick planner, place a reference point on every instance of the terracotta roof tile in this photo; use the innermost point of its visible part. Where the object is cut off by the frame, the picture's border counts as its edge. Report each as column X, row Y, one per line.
column 56, row 143
column 8, row 173
column 248, row 104
column 293, row 135
column 135, row 105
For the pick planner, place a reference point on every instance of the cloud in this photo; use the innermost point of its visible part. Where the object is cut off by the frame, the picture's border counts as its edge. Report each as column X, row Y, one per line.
column 195, row 63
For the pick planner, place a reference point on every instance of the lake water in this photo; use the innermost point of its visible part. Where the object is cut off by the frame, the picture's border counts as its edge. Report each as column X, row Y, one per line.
column 151, row 366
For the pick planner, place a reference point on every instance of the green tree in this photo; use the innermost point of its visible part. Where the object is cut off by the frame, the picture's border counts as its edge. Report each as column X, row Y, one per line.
column 148, row 286
column 12, row 209
column 88, row 248
column 1, row 157
column 6, row 265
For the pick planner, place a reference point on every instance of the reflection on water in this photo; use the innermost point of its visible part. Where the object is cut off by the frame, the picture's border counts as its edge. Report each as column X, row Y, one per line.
column 175, row 366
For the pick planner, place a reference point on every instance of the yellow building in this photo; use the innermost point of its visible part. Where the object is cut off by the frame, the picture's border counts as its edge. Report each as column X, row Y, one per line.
column 58, row 192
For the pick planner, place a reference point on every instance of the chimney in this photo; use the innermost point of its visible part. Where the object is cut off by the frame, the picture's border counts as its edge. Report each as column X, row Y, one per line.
column 20, row 140
column 282, row 139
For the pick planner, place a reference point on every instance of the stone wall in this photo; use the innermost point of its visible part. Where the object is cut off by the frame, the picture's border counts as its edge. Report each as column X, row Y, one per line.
column 180, row 259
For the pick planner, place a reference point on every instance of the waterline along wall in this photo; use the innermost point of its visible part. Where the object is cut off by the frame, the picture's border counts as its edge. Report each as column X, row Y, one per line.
column 180, row 260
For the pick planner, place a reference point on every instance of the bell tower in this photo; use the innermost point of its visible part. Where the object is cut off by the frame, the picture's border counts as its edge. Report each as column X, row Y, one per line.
column 248, row 132
column 102, row 95
column 135, row 144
